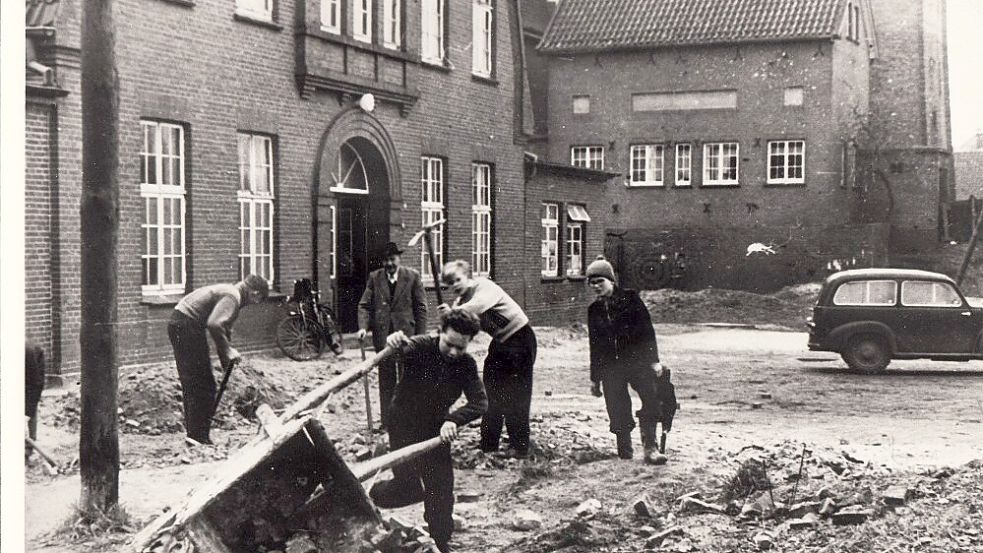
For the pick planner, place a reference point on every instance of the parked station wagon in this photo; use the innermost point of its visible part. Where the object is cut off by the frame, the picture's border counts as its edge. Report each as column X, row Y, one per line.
column 870, row 316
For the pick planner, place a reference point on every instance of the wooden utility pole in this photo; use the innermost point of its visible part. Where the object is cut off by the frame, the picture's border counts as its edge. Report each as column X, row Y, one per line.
column 99, row 438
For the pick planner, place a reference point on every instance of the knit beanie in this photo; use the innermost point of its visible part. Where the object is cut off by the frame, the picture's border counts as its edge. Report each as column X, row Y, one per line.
column 601, row 268
column 257, row 283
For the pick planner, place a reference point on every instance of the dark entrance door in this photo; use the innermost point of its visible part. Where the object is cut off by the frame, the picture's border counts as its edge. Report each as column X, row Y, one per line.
column 353, row 258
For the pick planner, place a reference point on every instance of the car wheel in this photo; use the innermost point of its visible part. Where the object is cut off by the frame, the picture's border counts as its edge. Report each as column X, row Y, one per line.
column 867, row 353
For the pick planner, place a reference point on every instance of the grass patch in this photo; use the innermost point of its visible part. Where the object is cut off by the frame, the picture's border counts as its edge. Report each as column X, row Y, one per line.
column 105, row 527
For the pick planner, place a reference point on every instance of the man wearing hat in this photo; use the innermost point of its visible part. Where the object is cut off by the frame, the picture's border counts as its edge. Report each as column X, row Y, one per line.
column 212, row 309
column 393, row 301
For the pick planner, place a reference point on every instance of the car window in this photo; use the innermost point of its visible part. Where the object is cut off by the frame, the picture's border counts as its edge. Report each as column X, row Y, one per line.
column 866, row 292
column 921, row 293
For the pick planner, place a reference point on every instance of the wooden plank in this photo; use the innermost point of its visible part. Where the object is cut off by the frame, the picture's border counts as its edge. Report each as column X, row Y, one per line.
column 204, row 537
column 366, row 470
column 315, row 397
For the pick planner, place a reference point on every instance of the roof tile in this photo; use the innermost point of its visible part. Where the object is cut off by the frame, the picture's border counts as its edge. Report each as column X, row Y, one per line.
column 592, row 25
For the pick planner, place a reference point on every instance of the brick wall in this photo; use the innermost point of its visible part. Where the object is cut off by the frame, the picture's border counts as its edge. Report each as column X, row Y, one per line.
column 759, row 73
column 39, row 123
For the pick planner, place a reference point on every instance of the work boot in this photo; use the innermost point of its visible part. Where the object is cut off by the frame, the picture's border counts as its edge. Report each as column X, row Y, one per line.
column 624, row 445
column 650, row 445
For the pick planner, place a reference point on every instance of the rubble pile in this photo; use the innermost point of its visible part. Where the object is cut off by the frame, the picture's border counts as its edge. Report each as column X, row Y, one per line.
column 788, row 307
column 561, row 440
column 150, row 400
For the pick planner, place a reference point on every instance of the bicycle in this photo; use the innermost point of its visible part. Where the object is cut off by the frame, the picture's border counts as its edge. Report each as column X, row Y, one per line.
column 310, row 326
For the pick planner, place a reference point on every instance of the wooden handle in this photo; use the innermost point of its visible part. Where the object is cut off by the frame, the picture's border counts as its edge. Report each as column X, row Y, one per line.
column 364, row 471
column 316, row 396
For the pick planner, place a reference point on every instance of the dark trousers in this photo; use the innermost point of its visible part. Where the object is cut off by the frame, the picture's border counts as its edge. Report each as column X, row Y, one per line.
column 508, row 382
column 618, row 401
column 434, row 470
column 34, row 369
column 190, row 342
column 387, row 386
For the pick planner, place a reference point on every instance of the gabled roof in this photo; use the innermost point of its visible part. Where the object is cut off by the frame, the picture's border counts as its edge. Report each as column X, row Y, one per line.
column 595, row 25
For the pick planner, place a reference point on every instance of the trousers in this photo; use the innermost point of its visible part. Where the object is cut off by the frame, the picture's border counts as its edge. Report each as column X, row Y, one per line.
column 190, row 342
column 507, row 377
column 618, row 401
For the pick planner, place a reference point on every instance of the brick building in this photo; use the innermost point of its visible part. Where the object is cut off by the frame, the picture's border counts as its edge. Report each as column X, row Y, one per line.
column 734, row 123
column 245, row 149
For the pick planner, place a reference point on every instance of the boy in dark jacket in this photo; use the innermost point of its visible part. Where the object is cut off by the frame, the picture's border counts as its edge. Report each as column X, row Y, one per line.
column 436, row 370
column 623, row 352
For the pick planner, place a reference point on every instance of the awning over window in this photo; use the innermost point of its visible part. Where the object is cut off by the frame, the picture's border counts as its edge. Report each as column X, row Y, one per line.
column 577, row 213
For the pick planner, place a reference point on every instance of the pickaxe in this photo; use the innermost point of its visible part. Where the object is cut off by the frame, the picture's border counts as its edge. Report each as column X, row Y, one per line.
column 426, row 233
column 221, row 388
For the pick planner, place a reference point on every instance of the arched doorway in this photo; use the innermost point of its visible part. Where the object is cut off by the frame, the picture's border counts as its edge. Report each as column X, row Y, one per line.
column 361, row 192
column 357, row 206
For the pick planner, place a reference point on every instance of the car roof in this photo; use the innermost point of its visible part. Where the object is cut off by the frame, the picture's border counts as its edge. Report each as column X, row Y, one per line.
column 885, row 273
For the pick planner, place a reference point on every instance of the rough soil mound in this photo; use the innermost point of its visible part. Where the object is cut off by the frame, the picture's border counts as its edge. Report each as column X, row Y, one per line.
column 786, row 308
column 150, row 400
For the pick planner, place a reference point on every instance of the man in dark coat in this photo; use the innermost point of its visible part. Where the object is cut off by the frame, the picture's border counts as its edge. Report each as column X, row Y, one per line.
column 623, row 352
column 393, row 301
column 436, row 370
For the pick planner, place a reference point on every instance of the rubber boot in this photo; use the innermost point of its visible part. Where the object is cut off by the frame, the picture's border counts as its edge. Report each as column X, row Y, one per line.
column 624, row 445
column 650, row 444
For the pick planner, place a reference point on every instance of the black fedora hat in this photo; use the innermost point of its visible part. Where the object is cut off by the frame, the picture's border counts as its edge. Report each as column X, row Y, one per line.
column 392, row 249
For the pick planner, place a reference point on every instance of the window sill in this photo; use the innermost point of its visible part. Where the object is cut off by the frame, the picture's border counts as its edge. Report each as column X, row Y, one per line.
column 484, row 80
column 577, row 278
column 785, row 185
column 164, row 300
column 644, row 185
column 722, row 185
column 545, row 279
column 683, row 186
column 434, row 65
column 184, row 3
column 251, row 19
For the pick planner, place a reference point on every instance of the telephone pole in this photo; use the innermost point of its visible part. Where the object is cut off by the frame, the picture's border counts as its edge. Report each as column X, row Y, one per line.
column 99, row 437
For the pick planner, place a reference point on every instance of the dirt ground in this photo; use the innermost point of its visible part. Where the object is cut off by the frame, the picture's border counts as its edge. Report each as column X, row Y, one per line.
column 744, row 394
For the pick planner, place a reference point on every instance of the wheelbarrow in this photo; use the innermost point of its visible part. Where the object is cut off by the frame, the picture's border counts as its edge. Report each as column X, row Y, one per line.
column 288, row 483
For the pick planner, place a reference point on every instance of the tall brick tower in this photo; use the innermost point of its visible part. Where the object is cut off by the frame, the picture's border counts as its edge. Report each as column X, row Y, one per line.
column 910, row 120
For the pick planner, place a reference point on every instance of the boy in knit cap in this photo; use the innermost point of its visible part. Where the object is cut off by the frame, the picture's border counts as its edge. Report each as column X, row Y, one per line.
column 624, row 352
column 212, row 310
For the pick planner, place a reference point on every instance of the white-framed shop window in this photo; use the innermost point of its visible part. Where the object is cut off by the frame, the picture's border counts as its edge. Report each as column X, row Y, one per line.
column 647, row 165
column 481, row 219
column 684, row 164
column 432, row 208
column 256, row 193
column 786, row 162
column 550, row 245
column 162, row 188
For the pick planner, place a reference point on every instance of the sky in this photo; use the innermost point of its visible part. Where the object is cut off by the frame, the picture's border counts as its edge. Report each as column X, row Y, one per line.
column 965, row 28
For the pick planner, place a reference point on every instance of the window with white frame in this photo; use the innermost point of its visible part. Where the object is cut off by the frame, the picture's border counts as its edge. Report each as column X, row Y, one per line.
column 481, row 38
column 256, row 9
column 720, row 163
column 362, row 20
column 331, row 16
column 432, row 31
column 577, row 218
column 647, row 161
column 481, row 218
column 432, row 206
column 591, row 157
column 786, row 162
column 255, row 205
column 550, row 248
column 162, row 190
column 684, row 164
column 392, row 21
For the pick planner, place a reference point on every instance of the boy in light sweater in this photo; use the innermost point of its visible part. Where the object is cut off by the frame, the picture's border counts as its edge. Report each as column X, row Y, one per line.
column 508, row 368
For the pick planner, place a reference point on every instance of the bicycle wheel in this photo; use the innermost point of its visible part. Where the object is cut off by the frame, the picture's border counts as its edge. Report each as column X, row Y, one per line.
column 298, row 339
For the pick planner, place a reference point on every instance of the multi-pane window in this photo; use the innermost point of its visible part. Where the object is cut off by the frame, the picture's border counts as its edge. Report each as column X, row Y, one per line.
column 550, row 248
column 432, row 206
column 163, row 193
column 255, row 205
column 432, row 31
column 786, row 162
column 481, row 217
column 684, row 164
column 577, row 217
column 591, row 157
column 481, row 38
column 392, row 20
column 259, row 9
column 720, row 163
column 331, row 16
column 362, row 20
column 647, row 162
